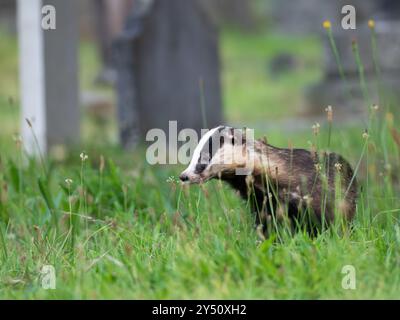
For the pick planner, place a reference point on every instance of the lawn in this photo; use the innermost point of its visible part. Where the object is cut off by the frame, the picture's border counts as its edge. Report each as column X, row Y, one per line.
column 120, row 228
column 251, row 90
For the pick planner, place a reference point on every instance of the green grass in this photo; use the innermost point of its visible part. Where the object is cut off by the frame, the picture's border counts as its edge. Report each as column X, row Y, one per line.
column 134, row 233
column 8, row 65
column 129, row 231
column 250, row 90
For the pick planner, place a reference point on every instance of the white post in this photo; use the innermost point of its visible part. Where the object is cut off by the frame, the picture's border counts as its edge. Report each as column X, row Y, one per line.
column 31, row 70
column 48, row 74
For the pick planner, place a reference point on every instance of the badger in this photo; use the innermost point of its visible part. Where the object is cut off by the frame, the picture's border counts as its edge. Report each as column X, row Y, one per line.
column 307, row 188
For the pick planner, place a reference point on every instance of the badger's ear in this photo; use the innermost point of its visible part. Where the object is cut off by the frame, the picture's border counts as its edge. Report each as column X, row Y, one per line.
column 226, row 135
column 239, row 136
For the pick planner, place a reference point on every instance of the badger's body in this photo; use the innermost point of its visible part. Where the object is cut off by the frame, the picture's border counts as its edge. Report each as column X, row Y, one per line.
column 278, row 182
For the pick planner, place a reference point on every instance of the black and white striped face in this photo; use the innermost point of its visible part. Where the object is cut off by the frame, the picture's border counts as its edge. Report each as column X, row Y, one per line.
column 213, row 156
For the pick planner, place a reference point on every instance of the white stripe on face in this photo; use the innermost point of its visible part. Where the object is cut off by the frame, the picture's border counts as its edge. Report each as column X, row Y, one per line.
column 197, row 151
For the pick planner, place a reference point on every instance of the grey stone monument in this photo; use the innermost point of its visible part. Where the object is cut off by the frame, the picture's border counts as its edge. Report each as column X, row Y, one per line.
column 166, row 49
column 380, row 66
column 382, row 77
column 306, row 16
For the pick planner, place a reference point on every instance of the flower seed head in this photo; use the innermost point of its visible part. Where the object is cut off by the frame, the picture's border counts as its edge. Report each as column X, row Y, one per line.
column 28, row 122
column 171, row 179
column 308, row 199
column 84, row 156
column 101, row 166
column 329, row 113
column 338, row 166
column 315, row 128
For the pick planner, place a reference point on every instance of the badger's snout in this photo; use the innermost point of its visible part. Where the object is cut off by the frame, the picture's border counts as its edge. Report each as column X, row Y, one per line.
column 188, row 177
column 184, row 177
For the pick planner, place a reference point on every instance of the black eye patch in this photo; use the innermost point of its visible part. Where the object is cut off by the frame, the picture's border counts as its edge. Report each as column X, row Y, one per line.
column 200, row 167
column 207, row 153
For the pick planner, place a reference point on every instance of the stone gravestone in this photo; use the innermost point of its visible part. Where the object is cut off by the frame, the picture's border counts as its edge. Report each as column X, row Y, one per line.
column 109, row 17
column 7, row 15
column 167, row 48
column 306, row 16
column 350, row 96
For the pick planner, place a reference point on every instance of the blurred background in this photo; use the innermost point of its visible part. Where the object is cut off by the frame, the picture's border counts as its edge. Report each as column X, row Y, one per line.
column 113, row 69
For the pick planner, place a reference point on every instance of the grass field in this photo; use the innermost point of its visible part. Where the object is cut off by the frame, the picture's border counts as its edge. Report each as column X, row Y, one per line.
column 121, row 228
column 251, row 90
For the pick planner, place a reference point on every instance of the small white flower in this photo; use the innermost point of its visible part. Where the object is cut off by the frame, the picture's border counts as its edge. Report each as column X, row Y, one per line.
column 84, row 156
column 329, row 113
column 17, row 138
column 315, row 128
column 171, row 179
column 338, row 166
column 375, row 107
column 68, row 182
column 308, row 199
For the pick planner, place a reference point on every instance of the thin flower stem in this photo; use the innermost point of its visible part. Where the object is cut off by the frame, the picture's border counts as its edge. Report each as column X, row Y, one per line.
column 338, row 62
column 360, row 67
column 41, row 157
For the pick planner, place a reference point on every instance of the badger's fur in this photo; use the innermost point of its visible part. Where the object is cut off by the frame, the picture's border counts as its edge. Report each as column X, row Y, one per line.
column 278, row 182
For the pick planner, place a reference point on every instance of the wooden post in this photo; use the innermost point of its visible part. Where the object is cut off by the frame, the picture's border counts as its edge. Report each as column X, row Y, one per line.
column 49, row 74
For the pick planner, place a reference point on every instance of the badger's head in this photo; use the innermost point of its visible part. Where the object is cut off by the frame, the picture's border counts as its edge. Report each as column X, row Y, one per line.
column 219, row 153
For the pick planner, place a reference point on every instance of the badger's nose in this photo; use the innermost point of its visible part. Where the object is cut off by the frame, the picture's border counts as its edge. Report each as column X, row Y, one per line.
column 184, row 177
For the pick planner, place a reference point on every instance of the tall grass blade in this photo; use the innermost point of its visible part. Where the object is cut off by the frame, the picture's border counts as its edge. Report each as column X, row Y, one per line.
column 44, row 191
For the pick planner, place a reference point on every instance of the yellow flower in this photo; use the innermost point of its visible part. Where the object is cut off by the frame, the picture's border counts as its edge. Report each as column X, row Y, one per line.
column 371, row 23
column 326, row 24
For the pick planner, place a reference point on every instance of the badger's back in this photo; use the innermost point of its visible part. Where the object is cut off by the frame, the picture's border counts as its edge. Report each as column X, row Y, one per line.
column 300, row 180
